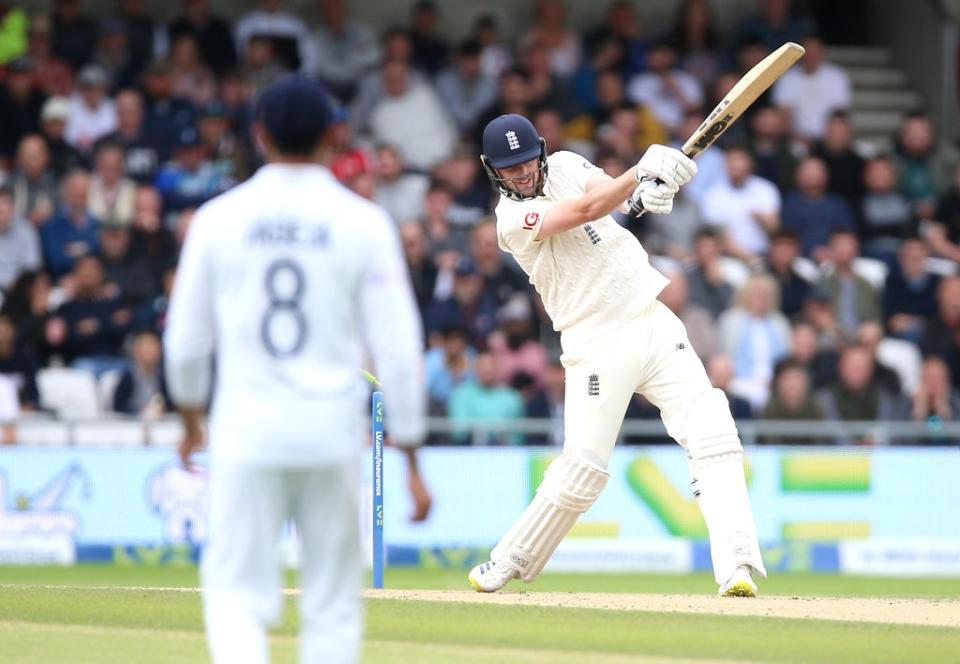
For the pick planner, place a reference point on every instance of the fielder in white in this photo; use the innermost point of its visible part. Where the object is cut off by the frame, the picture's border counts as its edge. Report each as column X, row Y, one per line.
column 600, row 290
column 282, row 279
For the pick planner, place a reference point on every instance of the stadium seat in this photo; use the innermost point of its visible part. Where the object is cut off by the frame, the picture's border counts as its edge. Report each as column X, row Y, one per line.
column 871, row 269
column 106, row 387
column 735, row 272
column 70, row 393
column 904, row 358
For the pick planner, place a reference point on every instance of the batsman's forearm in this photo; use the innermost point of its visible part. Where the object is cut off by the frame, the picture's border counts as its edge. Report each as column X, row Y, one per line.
column 607, row 197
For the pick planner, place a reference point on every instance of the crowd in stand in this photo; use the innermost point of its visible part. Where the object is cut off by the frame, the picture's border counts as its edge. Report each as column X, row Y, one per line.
column 817, row 277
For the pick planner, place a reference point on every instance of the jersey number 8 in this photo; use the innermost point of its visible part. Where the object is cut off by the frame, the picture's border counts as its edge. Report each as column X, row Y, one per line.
column 284, row 327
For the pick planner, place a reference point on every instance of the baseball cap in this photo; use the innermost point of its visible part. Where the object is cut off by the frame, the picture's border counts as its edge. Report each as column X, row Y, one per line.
column 509, row 140
column 295, row 113
column 92, row 76
column 465, row 266
column 55, row 108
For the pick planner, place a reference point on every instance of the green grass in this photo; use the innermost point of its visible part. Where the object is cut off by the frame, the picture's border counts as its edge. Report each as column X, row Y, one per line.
column 57, row 614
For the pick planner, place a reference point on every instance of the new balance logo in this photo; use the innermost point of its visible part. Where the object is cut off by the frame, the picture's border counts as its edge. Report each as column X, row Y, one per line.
column 512, row 141
column 592, row 234
column 593, row 385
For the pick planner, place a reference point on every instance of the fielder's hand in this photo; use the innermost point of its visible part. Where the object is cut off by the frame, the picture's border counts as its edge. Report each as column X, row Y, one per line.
column 652, row 196
column 667, row 165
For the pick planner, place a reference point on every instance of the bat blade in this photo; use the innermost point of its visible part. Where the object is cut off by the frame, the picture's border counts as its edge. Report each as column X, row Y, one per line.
column 753, row 84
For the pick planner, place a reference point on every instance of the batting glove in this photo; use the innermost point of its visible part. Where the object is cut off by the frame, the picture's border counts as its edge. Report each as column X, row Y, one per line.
column 652, row 196
column 667, row 165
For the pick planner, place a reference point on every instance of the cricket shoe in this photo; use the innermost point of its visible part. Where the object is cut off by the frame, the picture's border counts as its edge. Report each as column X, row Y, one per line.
column 489, row 577
column 740, row 584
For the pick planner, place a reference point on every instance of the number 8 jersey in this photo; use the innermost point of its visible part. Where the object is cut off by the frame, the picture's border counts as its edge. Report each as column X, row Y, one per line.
column 286, row 279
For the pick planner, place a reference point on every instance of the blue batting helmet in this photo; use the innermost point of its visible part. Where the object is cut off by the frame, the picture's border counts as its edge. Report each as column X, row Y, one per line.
column 509, row 140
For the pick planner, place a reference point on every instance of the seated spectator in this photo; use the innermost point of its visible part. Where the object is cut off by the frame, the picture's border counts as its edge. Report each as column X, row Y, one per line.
column 92, row 113
column 74, row 33
column 111, row 194
column 708, row 287
column 550, row 32
column 924, row 165
column 286, row 32
column 465, row 89
column 942, row 334
column 673, row 234
column 422, row 271
column 886, row 216
column 20, row 105
column 396, row 47
column 228, row 152
column 430, row 49
column 211, row 32
column 34, row 184
column 262, row 65
column 469, row 305
column 127, row 273
column 869, row 336
column 190, row 179
column 483, row 399
column 347, row 49
column 166, row 115
column 19, row 243
column 604, row 56
column 791, row 400
column 746, row 208
column 943, row 233
column 774, row 155
column 844, row 164
column 470, row 188
column 143, row 34
column 190, row 77
column 699, row 323
column 720, row 371
column 52, row 74
column 142, row 390
column 514, row 95
column 446, row 242
column 546, row 87
column 811, row 212
column 777, row 22
column 503, row 279
column 819, row 360
column 18, row 365
column 401, row 193
column 755, row 335
column 547, row 403
column 152, row 238
column 781, row 263
column 72, row 232
column 27, row 304
column 142, row 154
column 88, row 330
column 116, row 55
column 935, row 400
column 812, row 90
column 855, row 397
column 819, row 311
column 514, row 345
column 53, row 123
column 853, row 297
column 910, row 292
column 698, row 41
column 152, row 314
column 495, row 54
column 667, row 91
column 412, row 118
column 711, row 165
column 447, row 365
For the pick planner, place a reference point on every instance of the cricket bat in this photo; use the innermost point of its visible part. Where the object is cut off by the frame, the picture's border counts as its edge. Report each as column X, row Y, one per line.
column 753, row 84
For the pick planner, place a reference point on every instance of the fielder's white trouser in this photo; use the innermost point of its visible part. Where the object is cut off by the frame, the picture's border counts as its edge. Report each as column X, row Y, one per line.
column 650, row 355
column 241, row 569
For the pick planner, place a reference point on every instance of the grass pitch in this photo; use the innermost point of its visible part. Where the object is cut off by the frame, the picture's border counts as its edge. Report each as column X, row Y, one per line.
column 111, row 614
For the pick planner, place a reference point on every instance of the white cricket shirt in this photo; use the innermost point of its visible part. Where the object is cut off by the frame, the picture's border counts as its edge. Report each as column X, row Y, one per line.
column 593, row 278
column 285, row 279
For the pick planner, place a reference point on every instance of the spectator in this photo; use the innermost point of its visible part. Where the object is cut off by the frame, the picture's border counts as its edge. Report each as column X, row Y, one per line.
column 855, row 397
column 942, row 334
column 720, row 371
column 19, row 243
column 745, row 207
column 114, row 54
column 446, row 244
column 52, row 75
column 819, row 360
column 550, row 32
column 142, row 155
column 935, row 401
column 347, row 49
column 470, row 188
column 495, row 55
column 396, row 48
column 924, row 165
column 673, row 234
column 708, row 287
column 152, row 314
column 910, row 292
column 620, row 27
column 92, row 114
column 74, row 34
column 465, row 89
column 211, row 32
column 604, row 57
column 111, row 194
column 773, row 153
column 350, row 162
column 812, row 91
column 869, row 335
column 34, row 185
column 667, row 91
column 791, row 400
column 142, row 390
column 127, row 274
column 514, row 346
column 698, row 41
column 18, row 365
column 885, row 214
column 514, row 96
column 413, row 119
column 819, row 311
column 423, row 272
column 27, row 303
column 151, row 237
column 852, row 296
column 775, row 24
column 502, row 281
column 447, row 364
column 13, row 33
column 811, row 212
column 228, row 153
column 261, row 64
column 483, row 399
column 166, row 115
column 141, row 32
column 286, row 32
column 429, row 48
column 190, row 179
column 401, row 193
column 547, row 403
column 72, row 232
column 781, row 263
column 547, row 89
column 190, row 78
column 53, row 123
column 468, row 306
column 755, row 335
column 20, row 104
column 844, row 164
column 700, row 326
column 711, row 165
column 943, row 234
column 89, row 329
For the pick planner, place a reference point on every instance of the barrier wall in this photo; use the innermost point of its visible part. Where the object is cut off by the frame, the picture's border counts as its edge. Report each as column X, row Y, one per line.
column 884, row 510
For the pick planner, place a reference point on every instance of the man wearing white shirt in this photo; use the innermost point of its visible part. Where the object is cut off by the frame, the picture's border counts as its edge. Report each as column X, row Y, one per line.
column 667, row 91
column 812, row 91
column 92, row 114
column 280, row 26
column 744, row 206
column 281, row 279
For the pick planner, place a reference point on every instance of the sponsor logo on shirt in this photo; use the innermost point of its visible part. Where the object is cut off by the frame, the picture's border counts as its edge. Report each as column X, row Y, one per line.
column 530, row 220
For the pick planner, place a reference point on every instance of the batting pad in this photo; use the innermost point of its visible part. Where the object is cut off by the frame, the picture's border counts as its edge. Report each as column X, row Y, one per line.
column 570, row 486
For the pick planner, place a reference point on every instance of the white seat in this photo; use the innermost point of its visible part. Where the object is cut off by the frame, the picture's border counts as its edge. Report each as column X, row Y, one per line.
column 734, row 271
column 71, row 393
column 871, row 269
column 904, row 358
column 109, row 434
column 807, row 269
column 106, row 387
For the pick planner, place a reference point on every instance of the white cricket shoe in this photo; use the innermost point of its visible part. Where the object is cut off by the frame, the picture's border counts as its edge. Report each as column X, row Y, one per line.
column 740, row 584
column 489, row 577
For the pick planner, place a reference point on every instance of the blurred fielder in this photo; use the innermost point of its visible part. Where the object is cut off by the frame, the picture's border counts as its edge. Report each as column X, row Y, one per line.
column 281, row 278
column 600, row 290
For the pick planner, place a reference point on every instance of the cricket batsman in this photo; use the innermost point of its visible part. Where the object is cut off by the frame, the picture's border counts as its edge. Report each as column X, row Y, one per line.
column 600, row 290
column 280, row 281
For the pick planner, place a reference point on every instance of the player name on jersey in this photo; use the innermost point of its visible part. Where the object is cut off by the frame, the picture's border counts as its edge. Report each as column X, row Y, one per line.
column 289, row 233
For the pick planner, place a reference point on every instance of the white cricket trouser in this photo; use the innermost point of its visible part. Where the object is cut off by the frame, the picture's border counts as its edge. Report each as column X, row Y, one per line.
column 241, row 570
